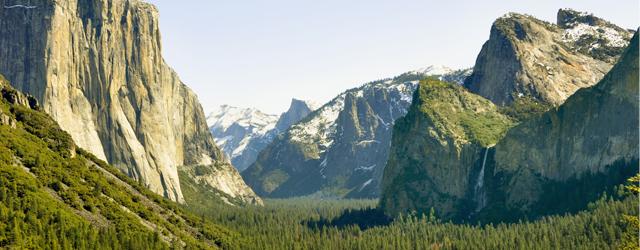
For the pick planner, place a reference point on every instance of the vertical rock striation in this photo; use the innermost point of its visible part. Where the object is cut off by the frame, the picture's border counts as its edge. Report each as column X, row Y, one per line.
column 593, row 129
column 97, row 67
column 436, row 155
column 340, row 148
column 584, row 146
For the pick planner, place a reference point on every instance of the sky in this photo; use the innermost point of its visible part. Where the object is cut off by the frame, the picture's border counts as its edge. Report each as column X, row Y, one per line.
column 260, row 54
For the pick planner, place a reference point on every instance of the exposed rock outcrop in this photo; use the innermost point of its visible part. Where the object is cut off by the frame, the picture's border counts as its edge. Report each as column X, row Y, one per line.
column 97, row 67
column 437, row 147
column 297, row 110
column 593, row 129
column 223, row 177
column 242, row 133
column 341, row 148
column 591, row 140
column 15, row 97
column 530, row 57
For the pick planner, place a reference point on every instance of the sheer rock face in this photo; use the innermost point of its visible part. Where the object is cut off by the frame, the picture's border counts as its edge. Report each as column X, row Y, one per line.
column 98, row 70
column 297, row 110
column 436, row 151
column 588, row 134
column 526, row 56
column 594, row 128
column 340, row 148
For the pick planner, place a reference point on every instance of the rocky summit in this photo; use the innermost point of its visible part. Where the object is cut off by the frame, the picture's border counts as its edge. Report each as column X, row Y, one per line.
column 242, row 133
column 525, row 56
column 553, row 162
column 342, row 147
column 97, row 68
column 594, row 131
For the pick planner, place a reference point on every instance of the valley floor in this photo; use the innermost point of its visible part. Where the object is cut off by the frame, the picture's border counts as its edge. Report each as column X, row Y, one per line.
column 329, row 223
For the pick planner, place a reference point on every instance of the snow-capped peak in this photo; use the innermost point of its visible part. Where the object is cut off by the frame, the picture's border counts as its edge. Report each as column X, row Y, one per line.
column 224, row 116
column 434, row 70
column 313, row 105
column 457, row 76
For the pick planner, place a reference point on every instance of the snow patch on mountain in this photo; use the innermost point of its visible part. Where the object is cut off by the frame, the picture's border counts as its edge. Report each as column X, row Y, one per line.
column 222, row 117
column 457, row 76
column 580, row 29
column 365, row 184
column 236, row 130
column 322, row 127
column 312, row 104
column 433, row 70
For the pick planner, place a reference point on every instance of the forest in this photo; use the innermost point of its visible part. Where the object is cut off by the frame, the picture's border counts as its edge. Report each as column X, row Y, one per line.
column 325, row 222
column 55, row 195
column 43, row 212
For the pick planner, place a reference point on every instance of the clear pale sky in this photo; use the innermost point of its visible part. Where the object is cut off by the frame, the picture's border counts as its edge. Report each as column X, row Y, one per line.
column 260, row 54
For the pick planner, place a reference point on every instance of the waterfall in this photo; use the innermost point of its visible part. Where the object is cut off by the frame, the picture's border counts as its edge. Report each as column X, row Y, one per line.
column 479, row 194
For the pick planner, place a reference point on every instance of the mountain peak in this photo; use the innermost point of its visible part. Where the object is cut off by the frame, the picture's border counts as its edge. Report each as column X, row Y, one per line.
column 297, row 110
column 223, row 116
column 525, row 56
column 596, row 33
column 243, row 132
column 567, row 18
column 434, row 70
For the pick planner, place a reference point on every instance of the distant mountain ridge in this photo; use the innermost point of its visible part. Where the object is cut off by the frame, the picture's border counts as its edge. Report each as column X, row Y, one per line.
column 231, row 126
column 242, row 133
column 342, row 147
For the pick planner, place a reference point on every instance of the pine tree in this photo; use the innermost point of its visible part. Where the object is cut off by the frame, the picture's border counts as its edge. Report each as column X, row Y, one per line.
column 630, row 238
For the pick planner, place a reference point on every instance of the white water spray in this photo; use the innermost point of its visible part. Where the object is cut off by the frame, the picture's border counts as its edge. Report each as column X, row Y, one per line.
column 479, row 193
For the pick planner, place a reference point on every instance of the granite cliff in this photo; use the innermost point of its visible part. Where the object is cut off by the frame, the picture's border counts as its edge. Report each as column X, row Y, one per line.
column 594, row 131
column 525, row 56
column 297, row 110
column 97, row 68
column 436, row 147
column 340, row 148
column 553, row 162
column 53, row 182
column 220, row 178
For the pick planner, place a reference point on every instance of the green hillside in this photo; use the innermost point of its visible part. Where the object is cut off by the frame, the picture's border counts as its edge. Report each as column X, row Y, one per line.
column 55, row 195
column 457, row 113
column 437, row 146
